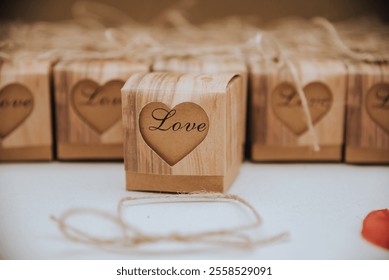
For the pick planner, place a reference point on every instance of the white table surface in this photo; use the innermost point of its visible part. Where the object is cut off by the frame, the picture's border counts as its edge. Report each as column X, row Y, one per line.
column 321, row 206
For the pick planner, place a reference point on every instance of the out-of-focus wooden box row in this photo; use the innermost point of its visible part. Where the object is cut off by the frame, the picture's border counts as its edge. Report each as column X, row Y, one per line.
column 348, row 105
column 302, row 105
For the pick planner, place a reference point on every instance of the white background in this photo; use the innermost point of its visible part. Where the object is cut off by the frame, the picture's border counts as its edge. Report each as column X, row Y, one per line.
column 321, row 206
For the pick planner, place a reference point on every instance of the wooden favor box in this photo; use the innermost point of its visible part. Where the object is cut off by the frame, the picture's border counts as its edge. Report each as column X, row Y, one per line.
column 210, row 64
column 25, row 110
column 278, row 126
column 367, row 139
column 88, row 107
column 180, row 131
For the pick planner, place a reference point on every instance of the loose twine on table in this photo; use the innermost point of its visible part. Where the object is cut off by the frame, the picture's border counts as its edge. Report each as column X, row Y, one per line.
column 132, row 237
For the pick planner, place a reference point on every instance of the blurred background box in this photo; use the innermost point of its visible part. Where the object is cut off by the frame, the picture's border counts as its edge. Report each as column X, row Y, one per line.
column 88, row 107
column 278, row 126
column 25, row 110
column 367, row 139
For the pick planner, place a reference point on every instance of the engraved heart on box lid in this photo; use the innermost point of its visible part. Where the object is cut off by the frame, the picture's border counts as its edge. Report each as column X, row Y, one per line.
column 16, row 104
column 286, row 105
column 173, row 133
column 99, row 106
column 377, row 105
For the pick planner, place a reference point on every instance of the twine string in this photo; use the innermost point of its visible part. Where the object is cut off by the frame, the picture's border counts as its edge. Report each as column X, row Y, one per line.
column 341, row 45
column 131, row 236
column 304, row 103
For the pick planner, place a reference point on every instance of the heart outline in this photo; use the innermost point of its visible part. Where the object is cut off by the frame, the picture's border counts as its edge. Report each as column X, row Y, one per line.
column 162, row 142
column 100, row 122
column 7, row 127
column 292, row 115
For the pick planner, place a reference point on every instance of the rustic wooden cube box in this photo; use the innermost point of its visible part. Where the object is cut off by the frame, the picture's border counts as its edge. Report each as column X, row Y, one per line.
column 181, row 131
column 25, row 110
column 210, row 64
column 88, row 107
column 278, row 126
column 367, row 129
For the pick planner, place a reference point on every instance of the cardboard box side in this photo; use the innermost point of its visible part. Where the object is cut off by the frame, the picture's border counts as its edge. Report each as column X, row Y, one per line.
column 29, row 135
column 367, row 141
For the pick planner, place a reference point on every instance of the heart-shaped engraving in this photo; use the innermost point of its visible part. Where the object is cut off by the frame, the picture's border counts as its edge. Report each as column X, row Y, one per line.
column 98, row 106
column 16, row 104
column 377, row 105
column 173, row 133
column 287, row 106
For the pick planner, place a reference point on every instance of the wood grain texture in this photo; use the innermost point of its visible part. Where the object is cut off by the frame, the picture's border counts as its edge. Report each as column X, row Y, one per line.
column 30, row 135
column 269, row 127
column 94, row 123
column 218, row 155
column 366, row 140
column 210, row 64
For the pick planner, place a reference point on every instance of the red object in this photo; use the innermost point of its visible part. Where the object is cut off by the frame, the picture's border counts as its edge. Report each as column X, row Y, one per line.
column 375, row 228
